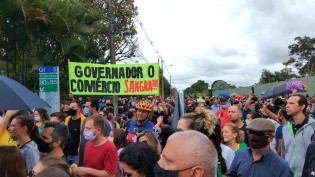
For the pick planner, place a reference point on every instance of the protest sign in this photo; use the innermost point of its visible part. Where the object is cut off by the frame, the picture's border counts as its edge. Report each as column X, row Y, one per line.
column 118, row 79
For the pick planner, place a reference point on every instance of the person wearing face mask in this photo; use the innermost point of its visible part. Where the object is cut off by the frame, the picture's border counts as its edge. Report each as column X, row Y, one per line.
column 259, row 159
column 41, row 117
column 74, row 122
column 100, row 154
column 53, row 139
column 86, row 112
column 223, row 112
column 118, row 137
column 159, row 107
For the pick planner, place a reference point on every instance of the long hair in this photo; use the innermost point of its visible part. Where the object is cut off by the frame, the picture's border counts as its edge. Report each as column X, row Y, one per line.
column 216, row 138
column 205, row 121
column 153, row 140
column 240, row 135
column 202, row 120
column 11, row 162
column 32, row 129
column 140, row 157
column 120, row 139
column 43, row 114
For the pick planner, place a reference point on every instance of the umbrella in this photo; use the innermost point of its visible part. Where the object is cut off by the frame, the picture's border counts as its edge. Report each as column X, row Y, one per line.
column 233, row 94
column 285, row 88
column 14, row 95
column 238, row 97
column 224, row 94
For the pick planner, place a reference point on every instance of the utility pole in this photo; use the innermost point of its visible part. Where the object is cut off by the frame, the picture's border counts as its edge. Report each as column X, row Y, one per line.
column 111, row 43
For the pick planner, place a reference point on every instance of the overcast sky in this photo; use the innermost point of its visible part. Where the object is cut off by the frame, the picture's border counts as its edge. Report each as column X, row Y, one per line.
column 230, row 40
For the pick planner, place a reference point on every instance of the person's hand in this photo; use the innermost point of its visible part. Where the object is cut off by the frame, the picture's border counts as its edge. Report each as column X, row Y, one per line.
column 74, row 168
column 158, row 97
column 264, row 105
column 81, row 171
column 294, row 92
column 251, row 93
column 10, row 113
column 70, row 96
column 137, row 134
column 159, row 120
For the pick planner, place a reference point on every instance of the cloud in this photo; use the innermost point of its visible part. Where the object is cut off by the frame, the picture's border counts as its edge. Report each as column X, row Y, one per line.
column 222, row 39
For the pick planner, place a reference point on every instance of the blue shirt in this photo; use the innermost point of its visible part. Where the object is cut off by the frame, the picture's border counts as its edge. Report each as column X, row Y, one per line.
column 270, row 165
column 215, row 107
column 279, row 134
column 134, row 127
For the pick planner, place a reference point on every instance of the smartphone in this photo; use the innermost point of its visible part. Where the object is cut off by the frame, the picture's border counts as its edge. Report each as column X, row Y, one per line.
column 253, row 90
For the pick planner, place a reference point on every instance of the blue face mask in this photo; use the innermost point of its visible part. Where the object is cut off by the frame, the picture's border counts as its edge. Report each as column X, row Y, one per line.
column 86, row 112
column 225, row 106
column 88, row 135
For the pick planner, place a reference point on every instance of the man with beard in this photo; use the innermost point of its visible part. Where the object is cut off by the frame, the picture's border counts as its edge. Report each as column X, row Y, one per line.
column 53, row 139
column 259, row 159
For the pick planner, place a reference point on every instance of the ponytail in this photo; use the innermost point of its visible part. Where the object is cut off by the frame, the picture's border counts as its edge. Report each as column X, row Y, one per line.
column 32, row 129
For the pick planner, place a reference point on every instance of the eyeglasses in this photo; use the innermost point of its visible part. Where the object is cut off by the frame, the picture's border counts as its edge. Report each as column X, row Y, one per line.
column 257, row 133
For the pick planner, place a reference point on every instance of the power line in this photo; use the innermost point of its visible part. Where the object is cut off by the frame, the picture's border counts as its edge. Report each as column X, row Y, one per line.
column 147, row 36
column 140, row 54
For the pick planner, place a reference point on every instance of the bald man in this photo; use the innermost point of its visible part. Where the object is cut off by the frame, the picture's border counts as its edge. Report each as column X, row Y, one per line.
column 181, row 147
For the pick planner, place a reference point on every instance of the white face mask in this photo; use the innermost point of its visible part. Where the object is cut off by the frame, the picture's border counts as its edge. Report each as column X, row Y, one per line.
column 37, row 118
column 110, row 138
column 88, row 135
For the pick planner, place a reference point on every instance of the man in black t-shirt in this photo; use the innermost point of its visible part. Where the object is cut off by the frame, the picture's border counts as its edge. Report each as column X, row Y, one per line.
column 74, row 123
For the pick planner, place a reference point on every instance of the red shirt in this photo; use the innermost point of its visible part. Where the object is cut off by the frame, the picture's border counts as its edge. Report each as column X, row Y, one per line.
column 102, row 157
column 223, row 115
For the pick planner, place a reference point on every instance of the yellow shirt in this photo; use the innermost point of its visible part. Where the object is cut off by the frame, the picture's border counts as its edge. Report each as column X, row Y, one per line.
column 5, row 139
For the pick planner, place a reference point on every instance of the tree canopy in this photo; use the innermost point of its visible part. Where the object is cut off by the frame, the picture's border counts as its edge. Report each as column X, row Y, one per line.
column 302, row 59
column 51, row 32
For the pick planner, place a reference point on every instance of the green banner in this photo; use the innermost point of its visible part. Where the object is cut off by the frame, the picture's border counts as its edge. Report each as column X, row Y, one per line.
column 118, row 79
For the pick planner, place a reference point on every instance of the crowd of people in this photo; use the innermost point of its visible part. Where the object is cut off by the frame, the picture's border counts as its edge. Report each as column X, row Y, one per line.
column 215, row 137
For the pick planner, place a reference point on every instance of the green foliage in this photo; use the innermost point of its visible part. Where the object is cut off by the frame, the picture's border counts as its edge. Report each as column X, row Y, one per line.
column 50, row 32
column 282, row 75
column 303, row 55
column 220, row 85
column 198, row 87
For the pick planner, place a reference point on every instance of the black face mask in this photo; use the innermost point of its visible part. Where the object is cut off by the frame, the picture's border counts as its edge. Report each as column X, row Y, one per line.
column 257, row 140
column 107, row 104
column 158, row 171
column 71, row 112
column 44, row 147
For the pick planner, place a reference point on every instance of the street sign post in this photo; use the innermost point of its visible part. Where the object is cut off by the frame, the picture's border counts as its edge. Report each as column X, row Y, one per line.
column 49, row 86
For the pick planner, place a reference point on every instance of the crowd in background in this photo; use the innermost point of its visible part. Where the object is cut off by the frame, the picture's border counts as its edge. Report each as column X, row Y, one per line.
column 87, row 138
